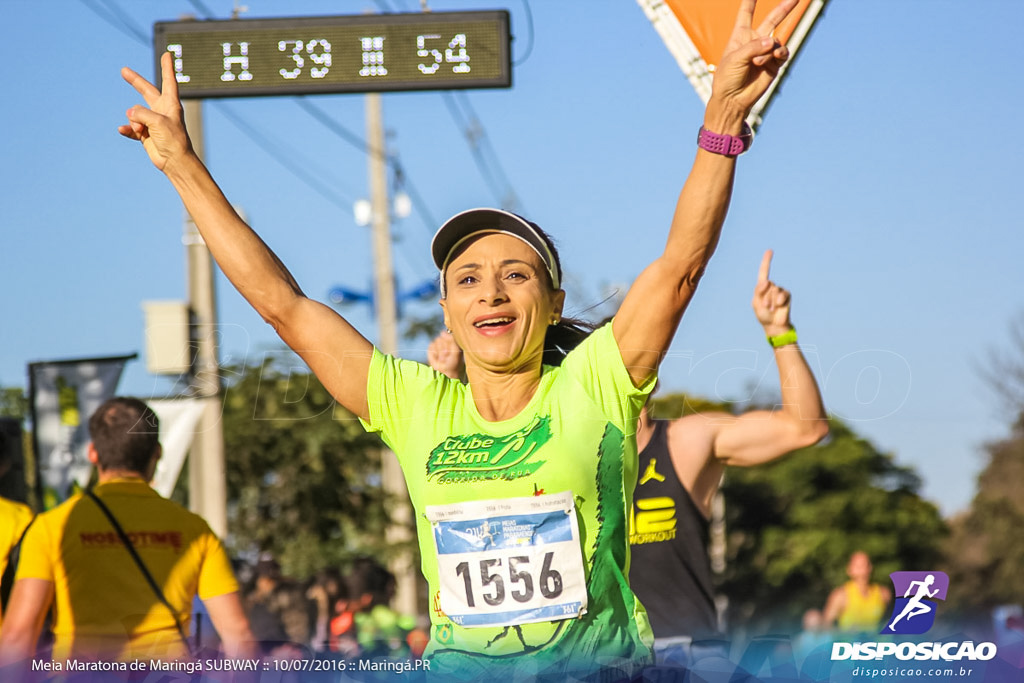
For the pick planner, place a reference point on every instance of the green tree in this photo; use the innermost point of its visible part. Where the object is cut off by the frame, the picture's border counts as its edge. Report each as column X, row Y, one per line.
column 986, row 548
column 13, row 402
column 792, row 525
column 19, row 482
column 985, row 551
column 302, row 474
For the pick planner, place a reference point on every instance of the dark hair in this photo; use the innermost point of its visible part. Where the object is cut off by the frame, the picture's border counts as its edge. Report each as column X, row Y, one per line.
column 563, row 337
column 370, row 577
column 126, row 433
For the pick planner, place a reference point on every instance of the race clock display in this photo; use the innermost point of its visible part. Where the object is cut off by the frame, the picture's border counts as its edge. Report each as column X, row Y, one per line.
column 336, row 54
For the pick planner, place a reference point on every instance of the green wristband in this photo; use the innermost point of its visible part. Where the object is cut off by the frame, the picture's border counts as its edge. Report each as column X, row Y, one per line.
column 784, row 339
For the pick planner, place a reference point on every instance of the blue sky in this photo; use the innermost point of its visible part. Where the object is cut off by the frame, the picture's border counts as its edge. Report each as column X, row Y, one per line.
column 885, row 177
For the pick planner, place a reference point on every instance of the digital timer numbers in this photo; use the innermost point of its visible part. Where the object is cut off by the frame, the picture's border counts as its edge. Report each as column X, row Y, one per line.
column 317, row 54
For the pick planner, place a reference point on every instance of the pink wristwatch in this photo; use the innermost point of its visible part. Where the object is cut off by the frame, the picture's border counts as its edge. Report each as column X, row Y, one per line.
column 729, row 145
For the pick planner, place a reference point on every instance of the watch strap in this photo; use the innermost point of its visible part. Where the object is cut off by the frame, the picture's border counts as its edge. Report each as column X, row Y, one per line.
column 726, row 145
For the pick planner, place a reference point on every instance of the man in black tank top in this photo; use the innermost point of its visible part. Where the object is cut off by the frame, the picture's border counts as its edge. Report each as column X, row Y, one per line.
column 680, row 470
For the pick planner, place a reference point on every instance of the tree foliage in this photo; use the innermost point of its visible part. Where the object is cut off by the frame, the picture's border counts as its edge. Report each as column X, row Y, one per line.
column 792, row 524
column 302, row 474
column 986, row 547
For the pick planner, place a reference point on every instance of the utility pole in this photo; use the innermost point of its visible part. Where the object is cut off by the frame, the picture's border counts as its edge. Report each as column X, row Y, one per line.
column 207, row 486
column 399, row 529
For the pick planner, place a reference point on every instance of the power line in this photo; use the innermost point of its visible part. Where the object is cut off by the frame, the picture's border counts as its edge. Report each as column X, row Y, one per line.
column 282, row 157
column 475, row 134
column 338, row 129
column 114, row 16
column 203, row 10
column 529, row 28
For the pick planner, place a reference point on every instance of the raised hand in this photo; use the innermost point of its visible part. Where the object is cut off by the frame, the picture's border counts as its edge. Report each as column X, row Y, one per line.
column 161, row 127
column 771, row 302
column 752, row 57
column 445, row 356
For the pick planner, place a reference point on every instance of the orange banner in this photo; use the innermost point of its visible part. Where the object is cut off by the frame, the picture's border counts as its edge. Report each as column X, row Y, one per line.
column 709, row 24
column 697, row 31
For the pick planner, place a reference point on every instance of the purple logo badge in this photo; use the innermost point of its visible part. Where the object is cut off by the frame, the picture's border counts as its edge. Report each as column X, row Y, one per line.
column 914, row 609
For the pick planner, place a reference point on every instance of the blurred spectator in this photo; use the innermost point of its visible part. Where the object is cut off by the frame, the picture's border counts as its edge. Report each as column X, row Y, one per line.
column 857, row 606
column 14, row 519
column 280, row 614
column 380, row 630
column 324, row 593
column 813, row 635
column 259, row 604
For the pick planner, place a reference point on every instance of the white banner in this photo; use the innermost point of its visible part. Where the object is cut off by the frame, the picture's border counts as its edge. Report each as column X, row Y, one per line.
column 178, row 419
column 63, row 394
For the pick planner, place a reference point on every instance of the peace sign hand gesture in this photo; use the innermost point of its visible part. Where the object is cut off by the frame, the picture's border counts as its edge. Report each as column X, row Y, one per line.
column 771, row 302
column 752, row 58
column 161, row 127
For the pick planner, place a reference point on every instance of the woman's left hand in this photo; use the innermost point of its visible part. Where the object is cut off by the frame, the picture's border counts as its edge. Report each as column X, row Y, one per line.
column 752, row 57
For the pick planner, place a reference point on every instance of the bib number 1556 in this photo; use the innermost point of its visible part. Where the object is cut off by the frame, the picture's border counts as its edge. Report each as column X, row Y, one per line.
column 491, row 585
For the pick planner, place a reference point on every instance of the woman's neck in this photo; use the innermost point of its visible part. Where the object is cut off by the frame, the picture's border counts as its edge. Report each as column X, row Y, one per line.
column 502, row 396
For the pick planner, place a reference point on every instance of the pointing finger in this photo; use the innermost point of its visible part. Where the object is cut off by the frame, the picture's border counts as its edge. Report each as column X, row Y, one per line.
column 766, row 264
column 169, row 82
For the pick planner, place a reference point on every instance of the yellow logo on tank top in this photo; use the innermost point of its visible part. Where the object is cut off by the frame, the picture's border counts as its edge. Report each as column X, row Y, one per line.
column 653, row 520
column 650, row 473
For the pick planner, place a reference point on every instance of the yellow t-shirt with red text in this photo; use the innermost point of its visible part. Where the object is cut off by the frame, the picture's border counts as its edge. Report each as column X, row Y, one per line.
column 14, row 517
column 103, row 605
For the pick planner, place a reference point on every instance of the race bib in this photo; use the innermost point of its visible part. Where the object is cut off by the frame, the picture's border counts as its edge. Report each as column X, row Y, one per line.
column 509, row 561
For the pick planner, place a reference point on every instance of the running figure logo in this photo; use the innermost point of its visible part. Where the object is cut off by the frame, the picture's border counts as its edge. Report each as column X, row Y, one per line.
column 914, row 613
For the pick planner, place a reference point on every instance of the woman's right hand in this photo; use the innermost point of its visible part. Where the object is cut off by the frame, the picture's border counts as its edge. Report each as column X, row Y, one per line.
column 445, row 356
column 160, row 127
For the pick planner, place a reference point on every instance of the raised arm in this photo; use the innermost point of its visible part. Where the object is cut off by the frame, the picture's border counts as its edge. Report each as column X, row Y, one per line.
column 701, row 445
column 761, row 435
column 650, row 313
column 332, row 348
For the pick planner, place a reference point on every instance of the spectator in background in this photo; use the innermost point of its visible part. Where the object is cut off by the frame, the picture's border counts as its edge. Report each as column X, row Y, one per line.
column 380, row 630
column 324, row 593
column 259, row 604
column 813, row 635
column 14, row 519
column 857, row 606
column 78, row 558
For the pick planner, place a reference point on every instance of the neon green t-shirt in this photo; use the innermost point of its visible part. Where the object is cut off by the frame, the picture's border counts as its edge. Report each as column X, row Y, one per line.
column 577, row 434
column 103, row 606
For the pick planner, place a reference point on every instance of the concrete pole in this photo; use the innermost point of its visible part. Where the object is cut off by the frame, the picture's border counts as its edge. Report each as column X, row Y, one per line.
column 399, row 530
column 207, row 485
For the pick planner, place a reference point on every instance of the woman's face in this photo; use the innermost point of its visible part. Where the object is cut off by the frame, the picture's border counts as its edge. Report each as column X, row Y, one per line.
column 499, row 302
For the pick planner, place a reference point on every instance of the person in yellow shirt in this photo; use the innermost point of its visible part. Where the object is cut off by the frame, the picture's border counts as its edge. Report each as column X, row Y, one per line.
column 14, row 518
column 857, row 606
column 75, row 559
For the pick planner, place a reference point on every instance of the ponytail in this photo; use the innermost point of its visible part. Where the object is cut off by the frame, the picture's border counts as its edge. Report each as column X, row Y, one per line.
column 563, row 337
